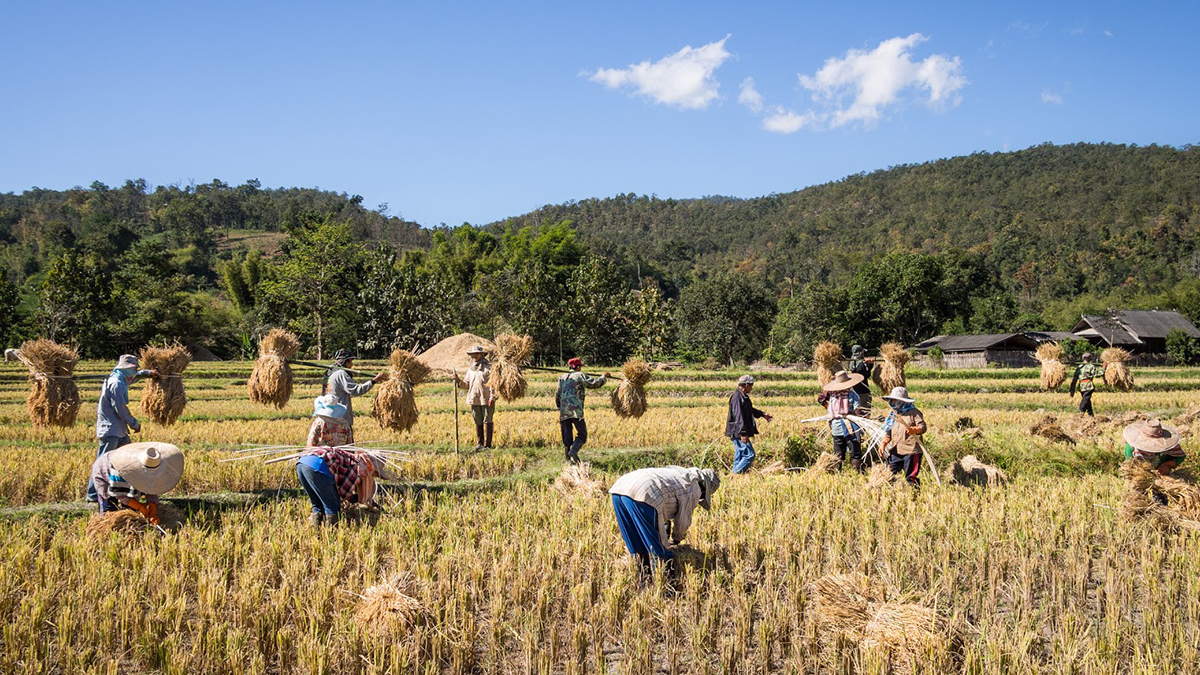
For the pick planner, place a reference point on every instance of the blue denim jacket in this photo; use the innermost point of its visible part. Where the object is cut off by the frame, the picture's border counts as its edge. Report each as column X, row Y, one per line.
column 112, row 411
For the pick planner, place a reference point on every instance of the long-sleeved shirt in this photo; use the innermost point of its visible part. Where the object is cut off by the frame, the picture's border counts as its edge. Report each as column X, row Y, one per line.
column 475, row 381
column 861, row 367
column 1084, row 374
column 903, row 442
column 343, row 466
column 112, row 411
column 572, row 390
column 742, row 414
column 110, row 485
column 343, row 389
column 672, row 491
column 839, row 406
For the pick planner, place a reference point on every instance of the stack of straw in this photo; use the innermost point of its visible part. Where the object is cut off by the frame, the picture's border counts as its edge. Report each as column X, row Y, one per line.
column 390, row 606
column 827, row 463
column 1169, row 502
column 271, row 380
column 629, row 398
column 131, row 523
column 970, row 471
column 890, row 373
column 54, row 399
column 163, row 399
column 881, row 476
column 1116, row 368
column 395, row 406
column 577, row 479
column 827, row 358
column 511, row 355
column 1050, row 354
column 1048, row 427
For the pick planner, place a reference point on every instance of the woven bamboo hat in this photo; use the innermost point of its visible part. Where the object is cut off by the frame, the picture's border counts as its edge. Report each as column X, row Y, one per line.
column 842, row 381
column 477, row 349
column 151, row 468
column 1151, row 436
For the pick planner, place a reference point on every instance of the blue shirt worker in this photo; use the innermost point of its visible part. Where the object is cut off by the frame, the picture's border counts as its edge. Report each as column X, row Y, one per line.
column 654, row 506
column 840, row 399
column 740, row 426
column 903, row 429
column 113, row 419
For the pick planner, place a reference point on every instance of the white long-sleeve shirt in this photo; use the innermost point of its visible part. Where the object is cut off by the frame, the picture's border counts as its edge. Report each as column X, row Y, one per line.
column 672, row 491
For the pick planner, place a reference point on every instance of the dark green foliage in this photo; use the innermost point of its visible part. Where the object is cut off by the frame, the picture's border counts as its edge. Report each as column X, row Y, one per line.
column 803, row 449
column 1181, row 347
column 401, row 305
column 13, row 328
column 728, row 316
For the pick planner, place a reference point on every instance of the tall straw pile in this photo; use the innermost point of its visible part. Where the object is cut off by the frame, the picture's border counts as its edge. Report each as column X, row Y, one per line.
column 827, row 359
column 1050, row 354
column 890, row 372
column 511, row 355
column 1145, row 494
column 395, row 405
column 1116, row 368
column 390, row 606
column 970, row 471
column 131, row 523
column 271, row 380
column 163, row 399
column 54, row 399
column 629, row 398
column 577, row 479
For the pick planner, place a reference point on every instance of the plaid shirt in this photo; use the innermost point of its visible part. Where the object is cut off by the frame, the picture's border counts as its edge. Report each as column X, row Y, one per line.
column 672, row 491
column 344, row 468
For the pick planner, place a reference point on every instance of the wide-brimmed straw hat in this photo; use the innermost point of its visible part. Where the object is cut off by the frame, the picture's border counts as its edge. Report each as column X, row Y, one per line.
column 328, row 406
column 127, row 361
column 842, row 381
column 477, row 349
column 1151, row 436
column 151, row 468
column 900, row 394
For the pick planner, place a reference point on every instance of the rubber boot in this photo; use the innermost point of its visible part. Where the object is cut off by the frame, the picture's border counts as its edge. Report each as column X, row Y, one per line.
column 331, row 519
column 316, row 518
column 488, row 429
column 478, row 437
column 856, row 464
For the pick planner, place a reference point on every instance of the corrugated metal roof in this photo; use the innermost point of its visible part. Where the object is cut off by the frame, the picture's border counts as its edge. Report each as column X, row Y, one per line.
column 1135, row 326
column 978, row 343
column 1040, row 336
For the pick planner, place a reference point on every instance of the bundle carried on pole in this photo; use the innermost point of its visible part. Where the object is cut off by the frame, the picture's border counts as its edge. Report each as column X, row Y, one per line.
column 827, row 359
column 1050, row 355
column 629, row 398
column 54, row 397
column 510, row 356
column 163, row 399
column 889, row 373
column 970, row 471
column 1168, row 502
column 395, row 406
column 1116, row 368
column 271, row 381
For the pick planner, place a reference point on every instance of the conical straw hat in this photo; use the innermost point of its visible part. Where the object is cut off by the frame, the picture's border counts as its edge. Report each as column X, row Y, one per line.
column 151, row 468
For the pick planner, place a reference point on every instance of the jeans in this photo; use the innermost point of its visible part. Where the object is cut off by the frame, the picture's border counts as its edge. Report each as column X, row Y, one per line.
column 909, row 465
column 574, row 435
column 638, row 523
column 1085, row 402
column 107, row 445
column 743, row 455
column 322, row 491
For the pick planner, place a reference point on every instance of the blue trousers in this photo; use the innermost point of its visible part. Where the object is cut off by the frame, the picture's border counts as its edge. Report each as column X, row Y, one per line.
column 638, row 523
column 107, row 444
column 743, row 455
column 321, row 489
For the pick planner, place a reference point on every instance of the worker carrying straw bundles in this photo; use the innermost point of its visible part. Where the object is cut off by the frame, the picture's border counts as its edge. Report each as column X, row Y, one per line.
column 572, row 390
column 903, row 428
column 1084, row 379
column 860, row 364
column 1154, row 442
column 481, row 396
column 740, row 426
column 342, row 387
column 840, row 399
column 654, row 506
column 330, row 476
column 133, row 476
column 114, row 421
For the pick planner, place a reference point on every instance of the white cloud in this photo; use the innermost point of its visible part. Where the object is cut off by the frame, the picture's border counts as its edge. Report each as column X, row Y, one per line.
column 749, row 96
column 1107, row 33
column 784, row 121
column 873, row 80
column 1051, row 97
column 683, row 79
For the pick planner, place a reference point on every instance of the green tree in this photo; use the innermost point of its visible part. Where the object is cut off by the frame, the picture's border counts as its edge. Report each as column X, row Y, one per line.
column 653, row 322
column 401, row 305
column 77, row 304
column 813, row 315
column 728, row 317
column 599, row 316
column 1181, row 347
column 12, row 320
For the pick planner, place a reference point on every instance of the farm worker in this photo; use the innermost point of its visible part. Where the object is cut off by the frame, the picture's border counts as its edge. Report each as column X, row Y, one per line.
column 740, row 426
column 113, row 419
column 572, row 390
column 329, row 427
column 840, row 399
column 902, row 430
column 1085, row 373
column 655, row 505
column 860, row 365
column 481, row 396
column 343, row 387
column 329, row 476
column 1154, row 442
column 134, row 475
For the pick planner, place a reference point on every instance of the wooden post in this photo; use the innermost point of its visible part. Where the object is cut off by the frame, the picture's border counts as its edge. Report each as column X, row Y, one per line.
column 454, row 385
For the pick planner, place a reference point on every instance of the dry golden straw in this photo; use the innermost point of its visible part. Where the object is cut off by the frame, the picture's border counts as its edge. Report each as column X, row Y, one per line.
column 389, row 606
column 1048, row 427
column 577, row 479
column 827, row 359
column 889, row 374
column 881, row 476
column 970, row 471
column 163, row 399
column 824, row 465
column 271, row 380
column 511, row 355
column 54, row 399
column 1146, row 491
column 131, row 523
column 1116, row 368
column 395, row 405
column 1050, row 354
column 629, row 398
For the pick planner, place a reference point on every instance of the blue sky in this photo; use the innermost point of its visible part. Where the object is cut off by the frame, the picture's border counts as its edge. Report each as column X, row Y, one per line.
column 454, row 112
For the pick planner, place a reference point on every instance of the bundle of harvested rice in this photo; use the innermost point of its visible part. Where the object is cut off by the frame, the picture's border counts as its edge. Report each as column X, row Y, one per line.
column 1048, row 427
column 629, row 398
column 881, row 476
column 163, row 399
column 395, row 406
column 772, row 467
column 889, row 373
column 577, row 479
column 54, row 399
column 827, row 359
column 1116, row 368
column 271, row 380
column 844, row 602
column 390, row 606
column 510, row 356
column 1169, row 502
column 970, row 471
column 1050, row 354
column 826, row 463
column 131, row 523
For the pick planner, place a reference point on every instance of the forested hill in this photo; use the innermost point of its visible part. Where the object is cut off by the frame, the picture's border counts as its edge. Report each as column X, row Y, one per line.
column 1050, row 221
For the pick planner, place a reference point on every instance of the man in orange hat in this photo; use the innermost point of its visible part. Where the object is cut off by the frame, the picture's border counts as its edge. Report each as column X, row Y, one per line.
column 572, row 390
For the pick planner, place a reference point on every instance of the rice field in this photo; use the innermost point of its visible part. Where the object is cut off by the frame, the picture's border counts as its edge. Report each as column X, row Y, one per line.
column 509, row 574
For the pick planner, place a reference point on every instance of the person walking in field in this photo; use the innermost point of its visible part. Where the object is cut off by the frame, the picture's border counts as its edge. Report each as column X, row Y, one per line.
column 343, row 388
column 840, row 399
column 740, row 426
column 113, row 419
column 1154, row 442
column 860, row 365
column 1084, row 378
column 572, row 390
column 903, row 429
column 134, row 475
column 481, row 396
column 654, row 506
